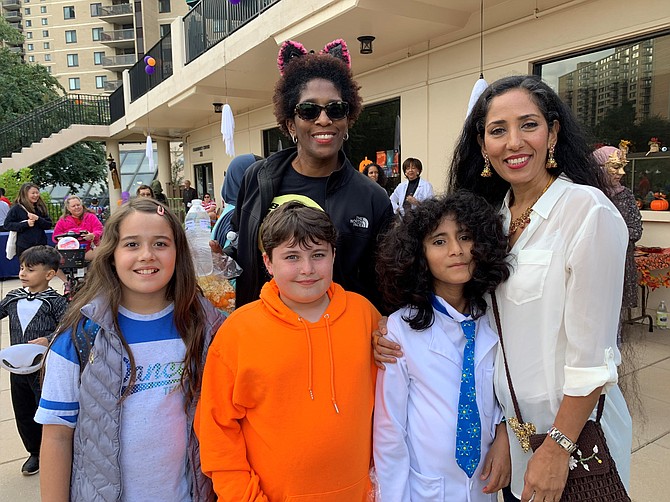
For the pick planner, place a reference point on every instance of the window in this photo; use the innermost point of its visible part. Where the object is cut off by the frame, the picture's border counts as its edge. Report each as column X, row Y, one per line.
column 74, row 84
column 45, row 21
column 68, row 12
column 164, row 29
column 48, row 69
column 29, row 35
column 31, row 47
column 617, row 94
column 96, row 9
column 163, row 5
column 43, row 9
column 47, row 57
column 97, row 57
column 31, row 59
column 73, row 60
column 45, row 33
column 100, row 82
column 26, row 11
column 28, row 23
column 71, row 36
column 46, row 45
column 97, row 34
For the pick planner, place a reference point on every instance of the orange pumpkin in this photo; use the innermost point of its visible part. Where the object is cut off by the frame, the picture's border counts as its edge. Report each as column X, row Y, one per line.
column 659, row 205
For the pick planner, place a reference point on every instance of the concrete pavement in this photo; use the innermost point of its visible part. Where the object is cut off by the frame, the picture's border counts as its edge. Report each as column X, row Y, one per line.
column 651, row 422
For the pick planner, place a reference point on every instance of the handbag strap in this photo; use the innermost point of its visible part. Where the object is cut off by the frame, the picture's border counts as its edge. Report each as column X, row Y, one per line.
column 517, row 410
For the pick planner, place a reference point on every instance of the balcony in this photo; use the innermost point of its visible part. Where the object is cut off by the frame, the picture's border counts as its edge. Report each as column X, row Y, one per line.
column 18, row 49
column 117, row 14
column 17, row 26
column 12, row 16
column 112, row 85
column 11, row 4
column 119, row 63
column 118, row 38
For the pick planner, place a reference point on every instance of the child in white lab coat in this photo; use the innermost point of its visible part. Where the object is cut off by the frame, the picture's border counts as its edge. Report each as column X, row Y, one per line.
column 438, row 434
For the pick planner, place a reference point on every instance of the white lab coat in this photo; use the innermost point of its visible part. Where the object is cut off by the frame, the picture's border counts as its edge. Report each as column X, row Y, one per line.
column 423, row 191
column 416, row 411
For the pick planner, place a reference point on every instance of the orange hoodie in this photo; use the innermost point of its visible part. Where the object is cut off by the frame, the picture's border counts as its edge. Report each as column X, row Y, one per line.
column 286, row 405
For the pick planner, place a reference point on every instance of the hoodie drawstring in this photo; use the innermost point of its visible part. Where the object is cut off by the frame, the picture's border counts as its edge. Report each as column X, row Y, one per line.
column 309, row 358
column 310, row 375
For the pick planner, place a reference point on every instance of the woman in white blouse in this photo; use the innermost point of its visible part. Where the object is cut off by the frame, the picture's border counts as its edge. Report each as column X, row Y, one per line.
column 411, row 192
column 522, row 149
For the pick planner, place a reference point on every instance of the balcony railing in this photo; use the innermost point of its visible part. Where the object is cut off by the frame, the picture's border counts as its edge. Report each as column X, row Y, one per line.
column 117, row 106
column 210, row 21
column 12, row 16
column 116, row 10
column 51, row 118
column 112, row 85
column 11, row 4
column 140, row 82
column 117, row 35
column 126, row 60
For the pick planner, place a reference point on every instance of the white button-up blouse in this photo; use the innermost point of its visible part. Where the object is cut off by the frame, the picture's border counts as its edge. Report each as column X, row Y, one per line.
column 559, row 313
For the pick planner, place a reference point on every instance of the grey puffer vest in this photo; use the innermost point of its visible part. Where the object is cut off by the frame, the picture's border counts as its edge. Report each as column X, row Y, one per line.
column 96, row 473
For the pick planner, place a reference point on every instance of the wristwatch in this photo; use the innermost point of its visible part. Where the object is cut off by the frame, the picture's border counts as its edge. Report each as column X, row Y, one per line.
column 563, row 441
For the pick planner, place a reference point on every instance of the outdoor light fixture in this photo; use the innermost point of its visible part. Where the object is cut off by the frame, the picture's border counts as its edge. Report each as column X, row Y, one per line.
column 218, row 107
column 366, row 43
column 111, row 162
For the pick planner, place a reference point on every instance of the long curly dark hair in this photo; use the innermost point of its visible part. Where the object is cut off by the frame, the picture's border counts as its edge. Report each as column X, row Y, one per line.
column 300, row 71
column 402, row 268
column 573, row 154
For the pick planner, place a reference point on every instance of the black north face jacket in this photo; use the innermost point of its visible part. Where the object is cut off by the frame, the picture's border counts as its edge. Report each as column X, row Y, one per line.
column 359, row 208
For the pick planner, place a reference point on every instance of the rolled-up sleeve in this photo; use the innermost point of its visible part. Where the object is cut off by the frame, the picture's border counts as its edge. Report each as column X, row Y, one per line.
column 593, row 301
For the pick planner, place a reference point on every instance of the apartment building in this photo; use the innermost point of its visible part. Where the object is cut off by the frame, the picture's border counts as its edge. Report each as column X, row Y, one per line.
column 87, row 45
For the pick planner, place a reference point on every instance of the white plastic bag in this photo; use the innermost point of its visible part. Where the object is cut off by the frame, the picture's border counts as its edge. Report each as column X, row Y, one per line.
column 10, row 249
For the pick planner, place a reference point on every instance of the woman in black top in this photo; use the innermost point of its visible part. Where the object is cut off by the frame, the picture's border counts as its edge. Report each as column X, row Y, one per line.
column 29, row 218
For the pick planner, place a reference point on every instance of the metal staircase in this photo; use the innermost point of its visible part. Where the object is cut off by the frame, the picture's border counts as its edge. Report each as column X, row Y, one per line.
column 53, row 127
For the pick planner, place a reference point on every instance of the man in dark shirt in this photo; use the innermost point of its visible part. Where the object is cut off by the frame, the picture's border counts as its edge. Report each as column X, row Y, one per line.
column 189, row 194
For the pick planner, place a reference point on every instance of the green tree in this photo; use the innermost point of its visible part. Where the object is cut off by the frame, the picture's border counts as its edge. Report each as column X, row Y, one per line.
column 11, row 181
column 73, row 167
column 9, row 34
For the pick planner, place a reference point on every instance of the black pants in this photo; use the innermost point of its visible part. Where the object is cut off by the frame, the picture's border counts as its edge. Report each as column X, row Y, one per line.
column 25, row 399
column 507, row 495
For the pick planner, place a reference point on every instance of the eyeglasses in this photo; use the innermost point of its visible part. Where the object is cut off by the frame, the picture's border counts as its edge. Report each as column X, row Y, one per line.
column 336, row 110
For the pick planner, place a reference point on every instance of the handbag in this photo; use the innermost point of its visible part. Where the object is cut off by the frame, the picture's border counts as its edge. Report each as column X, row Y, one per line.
column 10, row 248
column 592, row 474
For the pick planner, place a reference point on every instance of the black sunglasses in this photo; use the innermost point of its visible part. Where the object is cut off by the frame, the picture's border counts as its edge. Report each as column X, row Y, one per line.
column 336, row 110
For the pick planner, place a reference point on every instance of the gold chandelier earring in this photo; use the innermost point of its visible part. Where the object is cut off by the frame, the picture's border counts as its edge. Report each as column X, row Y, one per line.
column 486, row 172
column 551, row 161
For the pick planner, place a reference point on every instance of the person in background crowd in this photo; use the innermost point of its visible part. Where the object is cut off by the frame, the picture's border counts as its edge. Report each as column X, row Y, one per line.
column 144, row 191
column 29, row 218
column 612, row 160
column 316, row 101
column 158, row 191
column 410, row 193
column 189, row 193
column 231, row 186
column 4, row 209
column 376, row 174
column 3, row 198
column 77, row 218
column 98, row 210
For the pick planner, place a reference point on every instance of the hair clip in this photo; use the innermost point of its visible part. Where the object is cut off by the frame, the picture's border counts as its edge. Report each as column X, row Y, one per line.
column 160, row 209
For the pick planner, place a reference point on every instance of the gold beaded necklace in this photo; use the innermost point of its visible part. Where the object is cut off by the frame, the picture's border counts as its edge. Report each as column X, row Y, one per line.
column 522, row 221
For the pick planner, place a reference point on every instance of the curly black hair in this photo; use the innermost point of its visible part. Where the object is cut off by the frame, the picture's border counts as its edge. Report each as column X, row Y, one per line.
column 381, row 178
column 402, row 269
column 300, row 71
column 573, row 153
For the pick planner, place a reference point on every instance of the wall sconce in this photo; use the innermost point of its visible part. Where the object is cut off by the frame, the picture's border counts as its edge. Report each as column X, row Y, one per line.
column 111, row 162
column 218, row 107
column 366, row 43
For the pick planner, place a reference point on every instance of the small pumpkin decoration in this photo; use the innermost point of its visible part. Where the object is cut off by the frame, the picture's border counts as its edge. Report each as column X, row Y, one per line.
column 659, row 205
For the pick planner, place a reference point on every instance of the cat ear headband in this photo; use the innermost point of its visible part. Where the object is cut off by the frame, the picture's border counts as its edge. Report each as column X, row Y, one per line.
column 291, row 49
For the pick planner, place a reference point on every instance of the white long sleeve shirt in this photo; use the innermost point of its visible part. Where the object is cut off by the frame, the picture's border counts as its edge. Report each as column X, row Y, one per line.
column 423, row 191
column 559, row 313
column 416, row 409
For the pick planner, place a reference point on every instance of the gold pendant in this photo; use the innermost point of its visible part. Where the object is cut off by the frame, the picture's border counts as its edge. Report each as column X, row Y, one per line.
column 523, row 432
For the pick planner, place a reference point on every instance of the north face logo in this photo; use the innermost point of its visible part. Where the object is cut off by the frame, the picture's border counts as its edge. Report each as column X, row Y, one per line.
column 359, row 222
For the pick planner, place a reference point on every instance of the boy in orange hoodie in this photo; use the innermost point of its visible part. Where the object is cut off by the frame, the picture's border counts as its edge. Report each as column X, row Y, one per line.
column 288, row 388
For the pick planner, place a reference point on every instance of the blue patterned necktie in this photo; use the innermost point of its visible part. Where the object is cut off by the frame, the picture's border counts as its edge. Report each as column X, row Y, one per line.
column 468, row 425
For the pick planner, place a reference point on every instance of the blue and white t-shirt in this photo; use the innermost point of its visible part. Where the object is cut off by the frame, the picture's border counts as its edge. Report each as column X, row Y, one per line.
column 153, row 422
